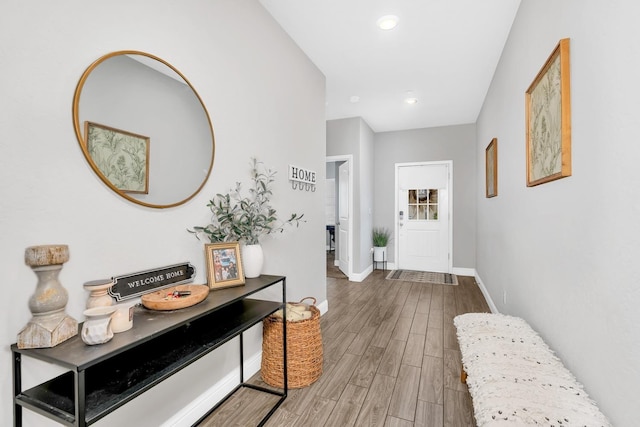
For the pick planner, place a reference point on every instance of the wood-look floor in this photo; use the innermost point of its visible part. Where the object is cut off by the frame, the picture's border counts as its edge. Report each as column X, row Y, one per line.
column 391, row 358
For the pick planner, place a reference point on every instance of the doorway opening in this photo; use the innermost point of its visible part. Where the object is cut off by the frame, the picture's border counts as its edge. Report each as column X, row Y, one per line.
column 338, row 212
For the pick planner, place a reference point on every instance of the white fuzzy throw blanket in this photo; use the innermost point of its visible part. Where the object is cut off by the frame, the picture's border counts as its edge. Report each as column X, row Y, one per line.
column 515, row 379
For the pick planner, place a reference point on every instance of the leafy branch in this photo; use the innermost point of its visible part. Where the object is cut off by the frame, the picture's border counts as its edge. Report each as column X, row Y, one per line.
column 246, row 218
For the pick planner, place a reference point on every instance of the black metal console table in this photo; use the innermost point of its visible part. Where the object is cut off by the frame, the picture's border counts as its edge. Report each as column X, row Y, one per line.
column 102, row 378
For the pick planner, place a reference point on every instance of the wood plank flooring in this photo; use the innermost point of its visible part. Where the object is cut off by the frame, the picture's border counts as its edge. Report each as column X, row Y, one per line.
column 391, row 358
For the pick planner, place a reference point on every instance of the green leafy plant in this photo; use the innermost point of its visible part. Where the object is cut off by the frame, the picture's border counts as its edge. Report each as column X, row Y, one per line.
column 381, row 236
column 246, row 218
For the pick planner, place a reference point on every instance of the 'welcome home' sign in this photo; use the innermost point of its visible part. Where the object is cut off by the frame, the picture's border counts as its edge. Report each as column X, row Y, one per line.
column 137, row 284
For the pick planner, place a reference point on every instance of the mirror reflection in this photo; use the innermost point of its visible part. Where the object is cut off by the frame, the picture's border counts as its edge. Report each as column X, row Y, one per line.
column 143, row 129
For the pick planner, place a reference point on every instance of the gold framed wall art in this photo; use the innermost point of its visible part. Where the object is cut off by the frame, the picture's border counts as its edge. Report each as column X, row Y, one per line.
column 491, row 168
column 548, row 119
column 121, row 156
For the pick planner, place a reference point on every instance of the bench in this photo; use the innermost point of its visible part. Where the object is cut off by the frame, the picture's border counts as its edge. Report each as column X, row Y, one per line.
column 515, row 379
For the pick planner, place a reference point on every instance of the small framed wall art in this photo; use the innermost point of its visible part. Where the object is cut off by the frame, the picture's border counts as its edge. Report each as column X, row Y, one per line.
column 224, row 265
column 121, row 156
column 548, row 120
column 491, row 168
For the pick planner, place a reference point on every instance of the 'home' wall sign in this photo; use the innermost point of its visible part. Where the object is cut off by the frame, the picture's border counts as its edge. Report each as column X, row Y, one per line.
column 303, row 179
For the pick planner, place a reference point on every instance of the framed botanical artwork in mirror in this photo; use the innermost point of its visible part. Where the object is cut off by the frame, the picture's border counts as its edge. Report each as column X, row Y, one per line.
column 548, row 120
column 224, row 265
column 121, row 156
column 491, row 168
column 136, row 92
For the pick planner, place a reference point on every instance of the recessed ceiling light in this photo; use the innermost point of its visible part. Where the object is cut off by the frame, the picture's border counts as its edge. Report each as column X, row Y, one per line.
column 410, row 98
column 354, row 99
column 387, row 22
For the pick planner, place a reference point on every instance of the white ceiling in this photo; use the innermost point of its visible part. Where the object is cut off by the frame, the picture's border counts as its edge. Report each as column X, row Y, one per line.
column 443, row 51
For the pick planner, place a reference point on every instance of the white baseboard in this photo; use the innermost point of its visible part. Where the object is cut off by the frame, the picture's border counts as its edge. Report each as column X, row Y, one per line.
column 487, row 297
column 323, row 307
column 462, row 271
column 359, row 277
column 200, row 406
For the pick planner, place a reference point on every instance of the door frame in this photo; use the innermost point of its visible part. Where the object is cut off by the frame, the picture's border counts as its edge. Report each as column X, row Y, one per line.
column 396, row 220
column 348, row 158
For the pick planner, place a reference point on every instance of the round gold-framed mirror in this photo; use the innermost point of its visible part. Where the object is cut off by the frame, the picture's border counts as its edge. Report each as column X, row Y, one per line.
column 143, row 129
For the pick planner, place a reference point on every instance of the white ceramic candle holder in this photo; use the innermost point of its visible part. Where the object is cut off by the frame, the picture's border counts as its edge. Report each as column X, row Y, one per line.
column 99, row 296
column 97, row 326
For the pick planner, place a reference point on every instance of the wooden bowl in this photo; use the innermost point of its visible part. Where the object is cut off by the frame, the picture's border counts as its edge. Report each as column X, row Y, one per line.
column 161, row 300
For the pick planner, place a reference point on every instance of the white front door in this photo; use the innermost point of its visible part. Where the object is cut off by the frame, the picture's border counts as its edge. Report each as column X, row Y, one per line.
column 343, row 218
column 423, row 216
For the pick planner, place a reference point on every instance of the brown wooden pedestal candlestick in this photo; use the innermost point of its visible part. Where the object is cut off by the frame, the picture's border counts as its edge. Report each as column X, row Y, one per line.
column 50, row 324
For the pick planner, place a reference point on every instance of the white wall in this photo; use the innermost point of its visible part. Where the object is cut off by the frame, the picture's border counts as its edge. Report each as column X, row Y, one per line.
column 365, row 192
column 566, row 252
column 265, row 98
column 454, row 143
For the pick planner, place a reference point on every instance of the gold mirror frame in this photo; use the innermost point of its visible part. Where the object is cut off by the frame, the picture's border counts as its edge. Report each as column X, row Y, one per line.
column 78, row 127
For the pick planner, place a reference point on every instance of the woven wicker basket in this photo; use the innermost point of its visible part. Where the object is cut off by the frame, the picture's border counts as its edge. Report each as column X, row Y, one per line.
column 304, row 351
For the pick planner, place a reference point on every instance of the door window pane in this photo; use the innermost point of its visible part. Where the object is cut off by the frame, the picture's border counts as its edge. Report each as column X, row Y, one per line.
column 433, row 212
column 422, row 213
column 423, row 204
column 413, row 212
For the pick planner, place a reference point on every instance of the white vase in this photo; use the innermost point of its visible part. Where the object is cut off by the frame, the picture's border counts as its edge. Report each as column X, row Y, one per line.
column 379, row 253
column 252, row 260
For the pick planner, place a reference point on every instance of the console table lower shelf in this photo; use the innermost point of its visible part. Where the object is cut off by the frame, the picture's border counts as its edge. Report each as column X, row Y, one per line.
column 103, row 378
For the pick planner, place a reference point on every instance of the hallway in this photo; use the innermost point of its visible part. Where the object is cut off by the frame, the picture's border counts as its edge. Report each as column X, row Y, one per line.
column 391, row 358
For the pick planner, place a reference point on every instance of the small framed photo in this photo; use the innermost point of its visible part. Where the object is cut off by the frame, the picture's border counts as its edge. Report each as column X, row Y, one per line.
column 121, row 156
column 224, row 265
column 491, row 166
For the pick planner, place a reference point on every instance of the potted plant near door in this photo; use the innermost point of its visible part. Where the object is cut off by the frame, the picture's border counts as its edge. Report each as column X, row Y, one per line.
column 381, row 237
column 245, row 218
